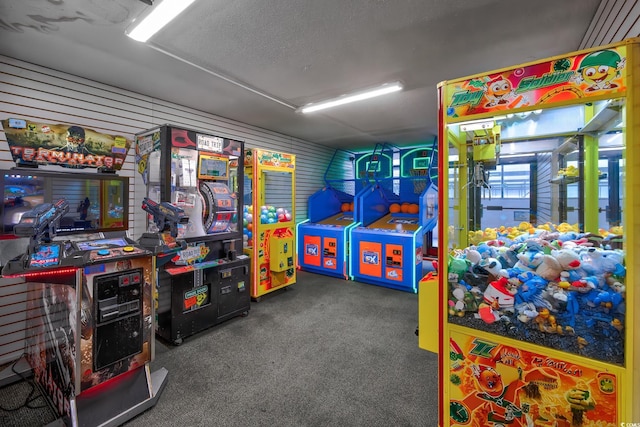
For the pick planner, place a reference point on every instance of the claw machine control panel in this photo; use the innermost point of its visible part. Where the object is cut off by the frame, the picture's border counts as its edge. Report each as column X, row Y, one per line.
column 535, row 294
column 207, row 281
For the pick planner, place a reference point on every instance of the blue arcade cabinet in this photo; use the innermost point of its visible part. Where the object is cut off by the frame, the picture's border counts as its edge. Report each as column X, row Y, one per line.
column 395, row 215
column 323, row 240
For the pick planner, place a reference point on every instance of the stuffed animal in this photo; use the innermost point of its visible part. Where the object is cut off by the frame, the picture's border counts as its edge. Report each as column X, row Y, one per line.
column 457, row 268
column 508, row 256
column 493, row 266
column 549, row 268
column 487, row 313
column 500, row 295
column 529, row 260
column 472, row 255
column 569, row 261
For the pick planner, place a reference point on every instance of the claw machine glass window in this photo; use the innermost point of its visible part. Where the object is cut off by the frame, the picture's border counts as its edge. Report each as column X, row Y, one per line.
column 540, row 194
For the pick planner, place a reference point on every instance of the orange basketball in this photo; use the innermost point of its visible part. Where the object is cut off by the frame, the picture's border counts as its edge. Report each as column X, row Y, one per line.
column 351, row 206
column 404, row 208
column 345, row 207
column 394, row 208
column 413, row 208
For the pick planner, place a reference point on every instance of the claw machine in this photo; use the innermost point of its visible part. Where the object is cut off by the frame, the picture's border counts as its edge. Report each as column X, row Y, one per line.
column 269, row 219
column 206, row 282
column 535, row 293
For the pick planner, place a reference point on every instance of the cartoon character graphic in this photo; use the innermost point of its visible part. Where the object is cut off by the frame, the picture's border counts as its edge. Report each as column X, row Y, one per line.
column 248, row 157
column 599, row 69
column 498, row 92
column 581, row 400
column 500, row 402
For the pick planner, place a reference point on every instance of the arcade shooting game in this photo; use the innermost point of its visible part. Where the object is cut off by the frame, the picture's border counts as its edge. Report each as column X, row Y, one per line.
column 198, row 176
column 89, row 310
column 535, row 296
column 324, row 237
column 269, row 216
column 394, row 215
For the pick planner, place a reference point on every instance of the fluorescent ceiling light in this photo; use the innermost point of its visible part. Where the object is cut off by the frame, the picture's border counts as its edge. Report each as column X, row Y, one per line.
column 346, row 99
column 160, row 16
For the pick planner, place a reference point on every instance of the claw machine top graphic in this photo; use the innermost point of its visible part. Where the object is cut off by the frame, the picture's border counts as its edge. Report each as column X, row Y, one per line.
column 562, row 79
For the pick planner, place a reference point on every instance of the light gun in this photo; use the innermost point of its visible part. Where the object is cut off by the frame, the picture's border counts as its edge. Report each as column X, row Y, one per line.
column 41, row 222
column 165, row 215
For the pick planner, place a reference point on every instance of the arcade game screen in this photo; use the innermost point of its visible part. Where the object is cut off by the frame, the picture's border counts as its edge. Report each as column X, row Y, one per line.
column 97, row 202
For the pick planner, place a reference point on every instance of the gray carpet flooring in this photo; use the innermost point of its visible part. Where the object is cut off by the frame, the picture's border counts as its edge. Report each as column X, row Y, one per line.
column 323, row 352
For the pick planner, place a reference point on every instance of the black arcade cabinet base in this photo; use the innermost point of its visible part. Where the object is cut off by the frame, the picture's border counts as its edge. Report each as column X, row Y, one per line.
column 194, row 298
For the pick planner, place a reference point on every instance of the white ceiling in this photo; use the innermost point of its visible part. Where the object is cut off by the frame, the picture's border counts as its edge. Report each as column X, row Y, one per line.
column 255, row 61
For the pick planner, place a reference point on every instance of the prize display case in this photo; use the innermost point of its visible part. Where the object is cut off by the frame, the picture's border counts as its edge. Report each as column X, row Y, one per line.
column 534, row 296
column 206, row 282
column 269, row 219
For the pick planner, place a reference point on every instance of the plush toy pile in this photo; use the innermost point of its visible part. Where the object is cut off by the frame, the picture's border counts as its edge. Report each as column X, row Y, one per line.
column 552, row 279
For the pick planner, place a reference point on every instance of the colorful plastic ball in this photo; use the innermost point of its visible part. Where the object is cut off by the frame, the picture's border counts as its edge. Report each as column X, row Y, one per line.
column 245, row 237
column 250, row 209
column 280, row 211
column 287, row 216
column 272, row 209
column 281, row 217
column 249, row 218
column 271, row 220
column 263, row 218
column 249, row 234
column 245, row 222
column 249, row 227
column 271, row 214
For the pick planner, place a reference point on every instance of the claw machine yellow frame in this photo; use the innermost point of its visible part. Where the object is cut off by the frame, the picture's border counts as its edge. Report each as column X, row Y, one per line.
column 269, row 219
column 535, row 295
